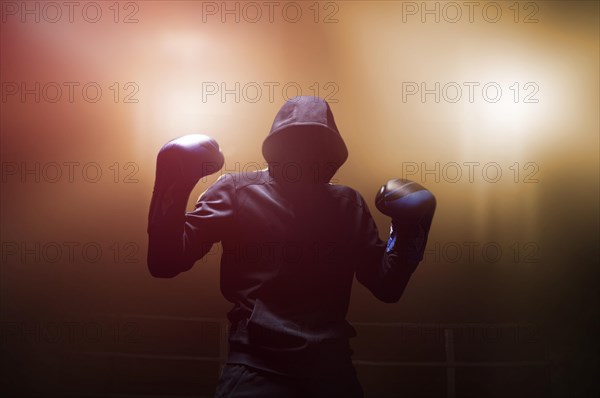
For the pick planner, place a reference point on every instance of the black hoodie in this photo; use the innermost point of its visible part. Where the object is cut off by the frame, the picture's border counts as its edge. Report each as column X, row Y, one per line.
column 292, row 246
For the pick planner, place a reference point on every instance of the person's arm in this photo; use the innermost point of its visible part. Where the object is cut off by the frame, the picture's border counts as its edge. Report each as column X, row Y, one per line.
column 385, row 269
column 177, row 239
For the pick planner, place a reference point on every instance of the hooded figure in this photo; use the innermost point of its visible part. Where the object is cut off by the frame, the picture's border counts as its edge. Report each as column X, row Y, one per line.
column 292, row 244
column 304, row 144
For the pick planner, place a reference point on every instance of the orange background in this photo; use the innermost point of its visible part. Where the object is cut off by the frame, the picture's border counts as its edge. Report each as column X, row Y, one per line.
column 359, row 55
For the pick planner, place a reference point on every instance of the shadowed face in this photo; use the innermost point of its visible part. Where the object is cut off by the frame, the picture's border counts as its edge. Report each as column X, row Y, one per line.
column 301, row 159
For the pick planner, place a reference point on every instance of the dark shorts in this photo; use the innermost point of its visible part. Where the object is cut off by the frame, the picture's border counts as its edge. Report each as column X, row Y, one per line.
column 241, row 381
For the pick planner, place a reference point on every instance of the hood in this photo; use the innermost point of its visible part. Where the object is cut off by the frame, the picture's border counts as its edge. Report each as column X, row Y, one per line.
column 304, row 127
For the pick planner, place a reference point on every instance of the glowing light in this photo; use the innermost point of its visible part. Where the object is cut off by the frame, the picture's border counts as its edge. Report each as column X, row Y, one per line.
column 509, row 111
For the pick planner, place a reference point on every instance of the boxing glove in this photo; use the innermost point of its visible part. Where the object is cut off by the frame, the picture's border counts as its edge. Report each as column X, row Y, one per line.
column 411, row 207
column 180, row 164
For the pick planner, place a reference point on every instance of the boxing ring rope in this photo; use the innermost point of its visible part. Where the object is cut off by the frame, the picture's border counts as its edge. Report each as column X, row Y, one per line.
column 450, row 362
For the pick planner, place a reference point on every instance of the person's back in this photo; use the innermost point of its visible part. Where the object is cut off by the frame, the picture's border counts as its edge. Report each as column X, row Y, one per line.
column 292, row 243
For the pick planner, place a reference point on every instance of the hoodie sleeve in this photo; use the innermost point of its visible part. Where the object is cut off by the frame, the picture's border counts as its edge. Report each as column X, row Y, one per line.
column 384, row 269
column 175, row 244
